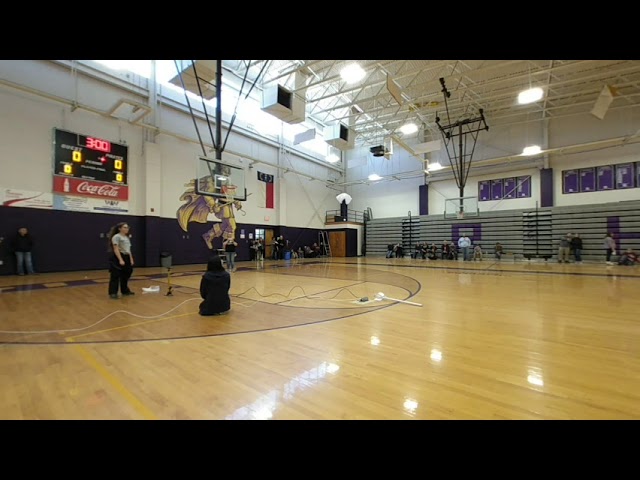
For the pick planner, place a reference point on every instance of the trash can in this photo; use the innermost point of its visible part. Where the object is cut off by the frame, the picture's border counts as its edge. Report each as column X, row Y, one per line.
column 287, row 255
column 165, row 259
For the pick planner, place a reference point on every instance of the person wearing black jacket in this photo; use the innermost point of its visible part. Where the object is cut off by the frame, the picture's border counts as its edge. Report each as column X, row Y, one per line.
column 229, row 246
column 22, row 246
column 214, row 289
column 576, row 245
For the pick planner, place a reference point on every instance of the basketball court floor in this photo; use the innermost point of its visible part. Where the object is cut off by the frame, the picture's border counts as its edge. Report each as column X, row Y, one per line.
column 327, row 339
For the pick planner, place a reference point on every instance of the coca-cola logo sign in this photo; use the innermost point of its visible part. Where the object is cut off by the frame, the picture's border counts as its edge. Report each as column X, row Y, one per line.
column 97, row 189
column 89, row 188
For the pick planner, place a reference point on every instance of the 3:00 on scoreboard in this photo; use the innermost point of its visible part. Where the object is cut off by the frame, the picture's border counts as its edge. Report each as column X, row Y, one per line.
column 82, row 156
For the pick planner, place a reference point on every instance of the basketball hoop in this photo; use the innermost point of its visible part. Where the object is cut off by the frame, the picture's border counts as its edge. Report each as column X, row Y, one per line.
column 461, row 208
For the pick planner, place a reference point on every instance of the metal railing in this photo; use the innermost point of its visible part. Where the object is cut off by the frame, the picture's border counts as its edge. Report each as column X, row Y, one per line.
column 353, row 216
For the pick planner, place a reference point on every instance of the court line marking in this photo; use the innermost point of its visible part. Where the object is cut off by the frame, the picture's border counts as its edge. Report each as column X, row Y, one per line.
column 465, row 269
column 134, row 401
column 314, row 322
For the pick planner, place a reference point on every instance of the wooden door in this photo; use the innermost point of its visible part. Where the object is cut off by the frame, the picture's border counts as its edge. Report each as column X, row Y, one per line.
column 338, row 243
column 268, row 240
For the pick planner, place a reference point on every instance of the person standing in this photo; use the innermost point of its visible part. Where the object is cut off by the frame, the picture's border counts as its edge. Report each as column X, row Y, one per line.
column 229, row 246
column 214, row 289
column 22, row 246
column 121, row 260
column 563, row 248
column 464, row 243
column 576, row 244
column 609, row 245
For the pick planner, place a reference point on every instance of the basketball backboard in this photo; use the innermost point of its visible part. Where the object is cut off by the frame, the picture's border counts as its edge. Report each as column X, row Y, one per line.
column 215, row 178
column 461, row 207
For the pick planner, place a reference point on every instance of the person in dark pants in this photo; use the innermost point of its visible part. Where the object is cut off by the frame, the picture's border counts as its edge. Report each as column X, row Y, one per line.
column 120, row 261
column 576, row 245
column 214, row 289
column 229, row 246
column 22, row 246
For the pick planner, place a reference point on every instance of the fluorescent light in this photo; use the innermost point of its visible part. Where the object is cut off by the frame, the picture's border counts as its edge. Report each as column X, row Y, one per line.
column 532, row 150
column 434, row 166
column 352, row 73
column 374, row 176
column 333, row 158
column 409, row 128
column 530, row 96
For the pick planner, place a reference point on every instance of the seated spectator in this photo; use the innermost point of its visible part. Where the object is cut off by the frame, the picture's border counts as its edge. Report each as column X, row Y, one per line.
column 446, row 250
column 477, row 253
column 214, row 289
column 432, row 252
column 421, row 250
column 629, row 258
column 498, row 250
column 390, row 250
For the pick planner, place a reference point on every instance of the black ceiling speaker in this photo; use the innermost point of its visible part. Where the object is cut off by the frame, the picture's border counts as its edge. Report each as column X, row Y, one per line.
column 377, row 151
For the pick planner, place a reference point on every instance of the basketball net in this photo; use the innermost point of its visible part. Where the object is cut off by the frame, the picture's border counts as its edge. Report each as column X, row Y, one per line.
column 460, row 215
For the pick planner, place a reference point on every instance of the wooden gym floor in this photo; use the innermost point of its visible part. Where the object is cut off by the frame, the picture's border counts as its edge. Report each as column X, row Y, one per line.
column 490, row 341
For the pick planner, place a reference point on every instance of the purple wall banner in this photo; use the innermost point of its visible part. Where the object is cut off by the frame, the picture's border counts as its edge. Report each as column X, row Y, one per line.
column 625, row 175
column 588, row 179
column 605, row 177
column 504, row 188
column 546, row 187
column 524, row 186
column 570, row 181
column 484, row 190
column 510, row 187
column 496, row 189
column 423, row 193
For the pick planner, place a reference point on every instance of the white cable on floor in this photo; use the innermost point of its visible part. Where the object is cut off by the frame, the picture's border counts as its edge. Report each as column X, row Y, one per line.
column 149, row 317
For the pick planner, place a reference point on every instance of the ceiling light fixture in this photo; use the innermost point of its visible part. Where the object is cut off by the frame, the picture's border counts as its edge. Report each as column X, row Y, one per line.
column 409, row 128
column 352, row 73
column 532, row 150
column 530, row 96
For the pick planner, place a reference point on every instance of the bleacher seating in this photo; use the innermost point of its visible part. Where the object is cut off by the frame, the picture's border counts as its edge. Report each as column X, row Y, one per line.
column 517, row 230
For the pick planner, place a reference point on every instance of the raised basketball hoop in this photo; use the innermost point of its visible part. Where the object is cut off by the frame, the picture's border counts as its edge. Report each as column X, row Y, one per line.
column 461, row 207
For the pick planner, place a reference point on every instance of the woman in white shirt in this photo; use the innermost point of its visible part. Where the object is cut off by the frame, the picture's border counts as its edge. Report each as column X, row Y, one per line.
column 609, row 245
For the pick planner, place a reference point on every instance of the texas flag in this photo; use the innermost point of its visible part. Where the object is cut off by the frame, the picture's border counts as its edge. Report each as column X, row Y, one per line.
column 267, row 197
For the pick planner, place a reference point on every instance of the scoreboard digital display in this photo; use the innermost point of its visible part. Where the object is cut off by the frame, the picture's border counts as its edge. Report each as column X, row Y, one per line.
column 84, row 157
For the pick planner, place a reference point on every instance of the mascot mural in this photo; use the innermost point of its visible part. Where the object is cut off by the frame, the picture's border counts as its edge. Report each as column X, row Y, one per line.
column 198, row 207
